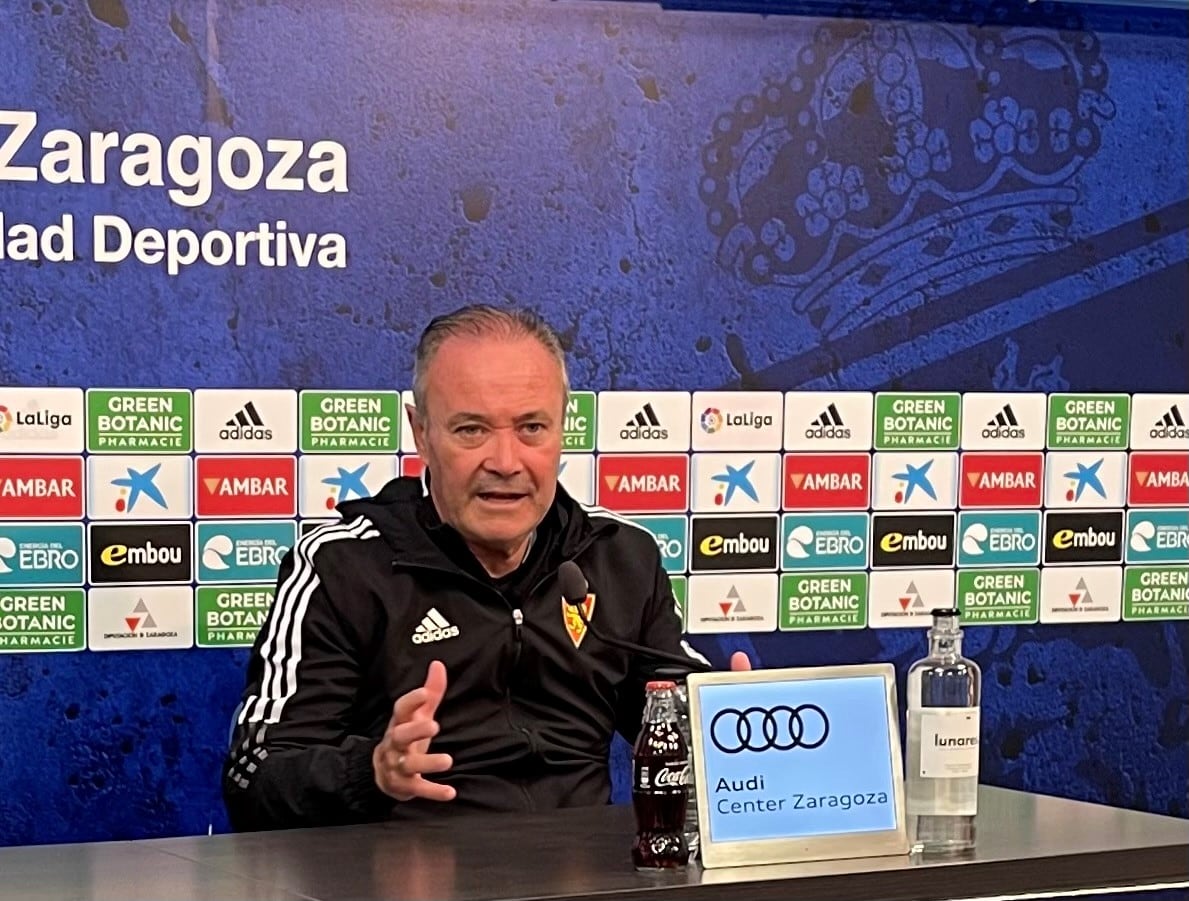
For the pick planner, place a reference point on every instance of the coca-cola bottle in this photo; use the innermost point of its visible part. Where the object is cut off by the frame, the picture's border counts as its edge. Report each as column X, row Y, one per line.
column 660, row 783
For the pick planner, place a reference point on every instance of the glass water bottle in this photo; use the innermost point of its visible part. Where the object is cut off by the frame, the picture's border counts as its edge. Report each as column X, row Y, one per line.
column 941, row 773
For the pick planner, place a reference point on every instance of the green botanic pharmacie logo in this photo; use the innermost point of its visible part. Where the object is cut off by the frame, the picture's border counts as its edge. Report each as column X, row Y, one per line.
column 999, row 596
column 578, row 428
column 836, row 600
column 42, row 619
column 1089, row 421
column 913, row 421
column 350, row 421
column 1156, row 592
column 229, row 616
column 150, row 420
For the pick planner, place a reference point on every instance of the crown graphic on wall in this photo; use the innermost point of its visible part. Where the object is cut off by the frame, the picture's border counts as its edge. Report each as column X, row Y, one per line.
column 900, row 161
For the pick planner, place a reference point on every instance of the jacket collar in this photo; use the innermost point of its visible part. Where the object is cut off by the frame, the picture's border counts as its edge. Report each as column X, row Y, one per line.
column 404, row 514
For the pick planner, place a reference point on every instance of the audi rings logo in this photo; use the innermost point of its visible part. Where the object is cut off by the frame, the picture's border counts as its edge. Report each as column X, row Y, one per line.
column 780, row 729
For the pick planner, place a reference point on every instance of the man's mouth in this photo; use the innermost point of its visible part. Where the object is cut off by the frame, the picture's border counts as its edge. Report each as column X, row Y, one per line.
column 501, row 497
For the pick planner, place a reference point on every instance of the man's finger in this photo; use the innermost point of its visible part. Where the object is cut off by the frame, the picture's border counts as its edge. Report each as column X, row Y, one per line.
column 404, row 735
column 434, row 688
column 740, row 662
column 406, row 704
column 414, row 764
column 431, row 791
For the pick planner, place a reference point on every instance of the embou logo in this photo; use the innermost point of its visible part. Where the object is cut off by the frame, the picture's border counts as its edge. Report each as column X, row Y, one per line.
column 140, row 553
column 733, row 543
column 1083, row 537
column 912, row 540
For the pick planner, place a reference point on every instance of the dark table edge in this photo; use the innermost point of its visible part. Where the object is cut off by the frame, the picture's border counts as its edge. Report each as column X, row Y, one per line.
column 288, row 892
column 971, row 879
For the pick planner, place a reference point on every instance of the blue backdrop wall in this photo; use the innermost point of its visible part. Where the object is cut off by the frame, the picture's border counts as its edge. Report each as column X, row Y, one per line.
column 695, row 199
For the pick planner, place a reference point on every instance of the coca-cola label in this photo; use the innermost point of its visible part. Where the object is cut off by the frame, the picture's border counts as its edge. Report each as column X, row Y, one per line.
column 665, row 776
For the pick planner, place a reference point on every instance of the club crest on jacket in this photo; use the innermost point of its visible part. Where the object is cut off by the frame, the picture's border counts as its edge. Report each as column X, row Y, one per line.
column 575, row 627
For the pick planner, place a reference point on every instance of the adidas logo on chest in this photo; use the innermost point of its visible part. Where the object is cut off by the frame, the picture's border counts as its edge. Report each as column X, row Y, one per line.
column 433, row 627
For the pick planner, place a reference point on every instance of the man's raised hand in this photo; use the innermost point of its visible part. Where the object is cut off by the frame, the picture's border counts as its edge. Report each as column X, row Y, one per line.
column 402, row 757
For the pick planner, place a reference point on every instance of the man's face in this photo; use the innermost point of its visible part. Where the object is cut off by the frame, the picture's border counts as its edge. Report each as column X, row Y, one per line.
column 491, row 436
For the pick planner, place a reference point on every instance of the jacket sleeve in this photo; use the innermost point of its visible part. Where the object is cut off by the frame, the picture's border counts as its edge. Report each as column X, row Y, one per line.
column 660, row 629
column 293, row 761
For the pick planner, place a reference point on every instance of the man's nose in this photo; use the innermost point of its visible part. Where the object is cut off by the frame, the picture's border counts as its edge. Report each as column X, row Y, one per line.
column 504, row 456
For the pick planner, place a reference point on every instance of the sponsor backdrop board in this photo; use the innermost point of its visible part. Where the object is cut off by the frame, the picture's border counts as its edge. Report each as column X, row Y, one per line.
column 839, row 385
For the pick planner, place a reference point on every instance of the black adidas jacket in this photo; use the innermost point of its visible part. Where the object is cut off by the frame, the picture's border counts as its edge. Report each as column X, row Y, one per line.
column 364, row 605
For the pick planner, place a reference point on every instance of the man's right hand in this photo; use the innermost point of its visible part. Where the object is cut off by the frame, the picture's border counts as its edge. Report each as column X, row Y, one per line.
column 402, row 756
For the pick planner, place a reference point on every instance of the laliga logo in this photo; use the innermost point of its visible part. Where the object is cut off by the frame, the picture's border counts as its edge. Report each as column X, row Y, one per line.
column 5, row 419
column 711, row 420
column 782, row 728
column 714, row 420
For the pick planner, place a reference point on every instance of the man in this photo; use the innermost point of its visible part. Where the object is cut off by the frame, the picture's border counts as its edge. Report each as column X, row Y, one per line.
column 447, row 601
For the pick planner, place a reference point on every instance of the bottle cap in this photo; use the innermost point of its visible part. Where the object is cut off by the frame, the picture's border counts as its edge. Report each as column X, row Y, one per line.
column 660, row 685
column 946, row 611
column 674, row 674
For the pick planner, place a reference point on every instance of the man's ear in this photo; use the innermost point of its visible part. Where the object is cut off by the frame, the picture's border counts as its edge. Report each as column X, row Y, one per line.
column 418, row 426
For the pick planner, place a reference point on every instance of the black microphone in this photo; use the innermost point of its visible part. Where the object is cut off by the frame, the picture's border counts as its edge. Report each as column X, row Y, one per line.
column 573, row 591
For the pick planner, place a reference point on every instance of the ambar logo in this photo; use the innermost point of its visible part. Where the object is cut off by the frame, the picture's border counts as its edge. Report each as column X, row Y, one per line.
column 247, row 486
column 148, row 553
column 827, row 481
column 1159, row 480
column 733, row 543
column 41, row 487
column 1083, row 537
column 653, row 483
column 1001, row 480
column 912, row 541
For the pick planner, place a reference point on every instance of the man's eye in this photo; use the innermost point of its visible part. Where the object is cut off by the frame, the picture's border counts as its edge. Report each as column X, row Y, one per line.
column 468, row 431
column 534, row 428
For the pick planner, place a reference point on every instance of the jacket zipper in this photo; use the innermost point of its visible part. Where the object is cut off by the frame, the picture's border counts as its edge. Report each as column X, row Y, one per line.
column 517, row 646
column 517, row 637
